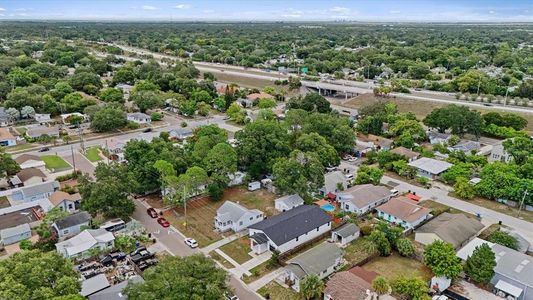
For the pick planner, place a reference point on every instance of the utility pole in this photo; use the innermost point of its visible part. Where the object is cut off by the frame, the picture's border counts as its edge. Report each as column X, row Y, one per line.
column 521, row 203
column 82, row 145
column 506, row 93
column 73, row 160
column 185, row 208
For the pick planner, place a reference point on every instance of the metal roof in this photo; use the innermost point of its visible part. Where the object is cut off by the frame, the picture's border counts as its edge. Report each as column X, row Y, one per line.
column 94, row 284
column 291, row 200
column 347, row 230
column 431, row 165
column 114, row 292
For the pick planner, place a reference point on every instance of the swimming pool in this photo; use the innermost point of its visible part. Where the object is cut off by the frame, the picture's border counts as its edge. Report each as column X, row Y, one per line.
column 328, row 207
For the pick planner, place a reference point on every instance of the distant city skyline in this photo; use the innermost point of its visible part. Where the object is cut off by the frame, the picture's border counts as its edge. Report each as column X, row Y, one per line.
column 270, row 10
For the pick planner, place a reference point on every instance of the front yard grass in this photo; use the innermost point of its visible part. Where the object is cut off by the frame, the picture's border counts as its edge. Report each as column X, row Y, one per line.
column 395, row 265
column 238, row 250
column 221, row 260
column 55, row 163
column 259, row 271
column 93, row 154
column 201, row 213
column 438, row 208
column 275, row 291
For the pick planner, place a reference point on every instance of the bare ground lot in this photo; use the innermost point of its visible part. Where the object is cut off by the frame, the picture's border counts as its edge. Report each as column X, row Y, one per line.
column 420, row 108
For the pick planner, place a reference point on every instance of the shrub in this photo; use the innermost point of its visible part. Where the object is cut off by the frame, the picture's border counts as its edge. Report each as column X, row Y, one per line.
column 365, row 229
column 380, row 285
column 505, row 239
column 132, row 125
column 156, row 116
column 405, row 247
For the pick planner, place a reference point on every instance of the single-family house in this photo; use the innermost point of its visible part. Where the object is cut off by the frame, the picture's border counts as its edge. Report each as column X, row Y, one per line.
column 498, row 153
column 26, row 161
column 467, row 147
column 334, row 182
column 181, row 134
column 438, row 138
column 65, row 201
column 15, row 234
column 7, row 138
column 233, row 216
column 29, row 176
column 94, row 284
column 5, row 118
column 257, row 96
column 321, row 260
column 71, row 224
column 126, row 88
column 116, row 291
column 374, row 142
column 512, row 274
column 289, row 229
column 456, row 229
column 361, row 199
column 407, row 153
column 115, row 147
column 344, row 234
column 88, row 239
column 404, row 212
column 42, row 119
column 35, row 192
column 348, row 285
column 38, row 131
column 429, row 167
column 139, row 118
column 288, row 202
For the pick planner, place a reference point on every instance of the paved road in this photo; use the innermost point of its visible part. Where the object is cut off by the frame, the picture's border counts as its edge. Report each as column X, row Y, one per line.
column 81, row 163
column 174, row 243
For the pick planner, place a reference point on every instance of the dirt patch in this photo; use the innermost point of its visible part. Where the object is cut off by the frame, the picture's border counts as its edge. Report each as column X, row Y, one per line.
column 395, row 265
column 4, row 202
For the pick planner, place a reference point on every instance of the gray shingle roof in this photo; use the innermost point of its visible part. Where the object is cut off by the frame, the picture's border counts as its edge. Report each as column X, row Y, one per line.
column 231, row 211
column 40, row 188
column 74, row 219
column 431, row 165
column 452, row 228
column 14, row 231
column 94, row 284
column 364, row 194
column 291, row 200
column 293, row 223
column 347, row 229
column 114, row 292
column 315, row 260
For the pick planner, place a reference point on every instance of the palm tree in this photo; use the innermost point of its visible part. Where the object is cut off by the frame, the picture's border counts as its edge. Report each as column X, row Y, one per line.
column 311, row 287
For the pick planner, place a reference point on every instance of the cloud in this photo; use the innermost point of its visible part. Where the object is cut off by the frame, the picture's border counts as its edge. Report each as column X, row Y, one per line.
column 183, row 6
column 292, row 13
column 208, row 11
column 148, row 7
column 339, row 10
column 395, row 12
column 21, row 9
column 491, row 12
column 2, row 9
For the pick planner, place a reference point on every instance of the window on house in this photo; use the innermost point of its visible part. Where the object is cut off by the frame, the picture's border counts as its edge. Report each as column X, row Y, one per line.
column 317, row 228
column 70, row 206
column 296, row 238
column 240, row 223
column 65, row 231
column 251, row 218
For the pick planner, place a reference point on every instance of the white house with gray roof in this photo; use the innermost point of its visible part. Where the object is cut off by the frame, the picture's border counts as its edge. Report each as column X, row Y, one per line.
column 233, row 216
column 71, row 224
column 513, row 271
column 139, row 118
column 362, row 198
column 429, row 167
column 35, row 192
column 15, row 234
column 321, row 260
column 344, row 234
column 332, row 182
column 289, row 229
column 88, row 239
column 467, row 147
column 288, row 202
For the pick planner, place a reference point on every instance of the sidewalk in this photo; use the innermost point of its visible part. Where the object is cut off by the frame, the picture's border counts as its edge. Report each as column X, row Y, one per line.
column 261, row 282
column 222, row 242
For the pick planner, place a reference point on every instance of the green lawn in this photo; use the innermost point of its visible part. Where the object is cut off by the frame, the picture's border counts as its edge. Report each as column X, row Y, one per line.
column 395, row 265
column 259, row 271
column 238, row 250
column 93, row 154
column 274, row 291
column 221, row 260
column 55, row 163
column 357, row 251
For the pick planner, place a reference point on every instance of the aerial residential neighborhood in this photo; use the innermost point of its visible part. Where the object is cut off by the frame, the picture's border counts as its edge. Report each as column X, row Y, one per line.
column 249, row 150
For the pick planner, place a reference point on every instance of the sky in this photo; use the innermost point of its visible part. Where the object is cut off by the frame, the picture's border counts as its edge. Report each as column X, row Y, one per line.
column 271, row 10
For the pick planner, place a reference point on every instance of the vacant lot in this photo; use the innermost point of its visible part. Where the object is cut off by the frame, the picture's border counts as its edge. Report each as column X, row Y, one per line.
column 201, row 213
column 395, row 265
column 275, row 291
column 357, row 251
column 93, row 154
column 438, row 208
column 238, row 250
column 55, row 163
column 420, row 108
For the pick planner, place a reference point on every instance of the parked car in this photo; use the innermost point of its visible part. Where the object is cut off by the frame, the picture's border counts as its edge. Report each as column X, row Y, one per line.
column 147, row 130
column 152, row 213
column 44, row 149
column 163, row 222
column 230, row 296
column 349, row 176
column 394, row 192
column 191, row 242
column 352, row 159
column 331, row 169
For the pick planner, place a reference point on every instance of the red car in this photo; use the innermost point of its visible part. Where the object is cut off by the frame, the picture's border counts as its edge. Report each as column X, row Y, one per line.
column 151, row 212
column 163, row 222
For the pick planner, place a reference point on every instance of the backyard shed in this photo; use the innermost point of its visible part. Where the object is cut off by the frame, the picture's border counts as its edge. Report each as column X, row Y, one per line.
column 254, row 186
column 15, row 234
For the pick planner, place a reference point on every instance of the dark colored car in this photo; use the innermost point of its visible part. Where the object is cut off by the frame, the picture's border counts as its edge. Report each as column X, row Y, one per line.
column 151, row 212
column 147, row 130
column 44, row 149
column 163, row 222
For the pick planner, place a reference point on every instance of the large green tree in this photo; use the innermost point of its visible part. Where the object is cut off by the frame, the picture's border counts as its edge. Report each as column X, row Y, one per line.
column 38, row 275
column 441, row 258
column 480, row 265
column 301, row 173
column 311, row 287
column 8, row 166
column 520, row 148
column 181, row 278
column 108, row 119
column 313, row 142
column 146, row 100
column 412, row 288
column 367, row 174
